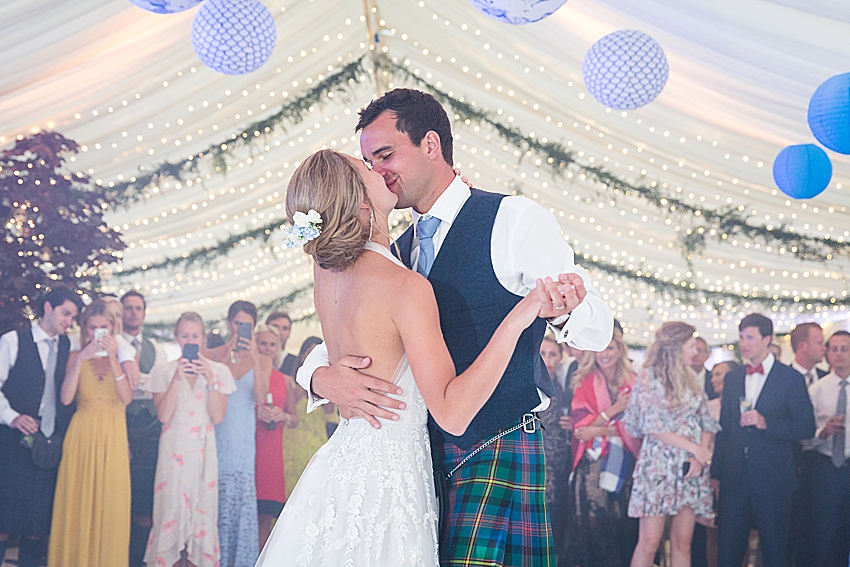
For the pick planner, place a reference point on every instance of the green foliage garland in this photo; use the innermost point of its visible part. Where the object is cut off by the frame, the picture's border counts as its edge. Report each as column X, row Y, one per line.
column 293, row 112
column 721, row 224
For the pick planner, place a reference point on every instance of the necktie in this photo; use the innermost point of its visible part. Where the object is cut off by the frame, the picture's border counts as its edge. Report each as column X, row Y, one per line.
column 810, row 377
column 755, row 369
column 838, row 438
column 48, row 398
column 425, row 229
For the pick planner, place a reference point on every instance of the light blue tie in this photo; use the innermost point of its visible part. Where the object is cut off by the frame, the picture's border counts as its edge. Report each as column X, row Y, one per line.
column 425, row 229
column 838, row 438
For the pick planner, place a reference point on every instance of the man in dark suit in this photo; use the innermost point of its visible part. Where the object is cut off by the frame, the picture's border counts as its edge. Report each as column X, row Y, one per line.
column 32, row 368
column 831, row 450
column 143, row 426
column 808, row 347
column 765, row 412
column 283, row 323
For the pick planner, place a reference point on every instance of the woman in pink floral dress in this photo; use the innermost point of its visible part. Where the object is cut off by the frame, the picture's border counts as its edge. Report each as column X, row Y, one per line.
column 190, row 397
column 669, row 409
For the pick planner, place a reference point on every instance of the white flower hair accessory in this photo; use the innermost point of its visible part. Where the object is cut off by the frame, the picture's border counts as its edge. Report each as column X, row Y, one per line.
column 305, row 227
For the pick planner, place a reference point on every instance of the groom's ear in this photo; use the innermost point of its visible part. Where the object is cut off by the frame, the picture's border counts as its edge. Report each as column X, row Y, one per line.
column 431, row 146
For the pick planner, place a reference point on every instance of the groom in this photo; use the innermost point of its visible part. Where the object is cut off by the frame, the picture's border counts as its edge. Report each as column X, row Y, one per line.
column 481, row 252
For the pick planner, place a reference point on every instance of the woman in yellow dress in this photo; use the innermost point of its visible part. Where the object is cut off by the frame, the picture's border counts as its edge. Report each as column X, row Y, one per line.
column 303, row 436
column 91, row 510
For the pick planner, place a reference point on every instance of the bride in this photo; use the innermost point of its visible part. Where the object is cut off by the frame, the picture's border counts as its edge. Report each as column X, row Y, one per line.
column 367, row 497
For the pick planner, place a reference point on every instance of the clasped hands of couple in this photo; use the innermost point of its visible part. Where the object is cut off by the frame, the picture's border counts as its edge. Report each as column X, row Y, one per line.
column 346, row 384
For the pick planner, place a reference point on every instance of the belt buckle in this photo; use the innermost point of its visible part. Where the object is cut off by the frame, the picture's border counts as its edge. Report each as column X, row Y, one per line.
column 529, row 423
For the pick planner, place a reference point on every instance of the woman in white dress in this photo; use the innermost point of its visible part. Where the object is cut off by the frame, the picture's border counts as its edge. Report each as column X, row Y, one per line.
column 367, row 497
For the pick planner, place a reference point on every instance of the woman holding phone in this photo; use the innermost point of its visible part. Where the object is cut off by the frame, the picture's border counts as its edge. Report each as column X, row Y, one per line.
column 670, row 411
column 190, row 395
column 91, row 510
column 238, row 529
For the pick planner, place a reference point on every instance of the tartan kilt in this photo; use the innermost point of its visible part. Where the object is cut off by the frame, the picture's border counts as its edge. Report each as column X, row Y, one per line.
column 497, row 513
column 26, row 493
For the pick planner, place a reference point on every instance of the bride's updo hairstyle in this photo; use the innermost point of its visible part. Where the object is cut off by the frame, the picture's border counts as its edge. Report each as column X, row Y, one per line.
column 328, row 183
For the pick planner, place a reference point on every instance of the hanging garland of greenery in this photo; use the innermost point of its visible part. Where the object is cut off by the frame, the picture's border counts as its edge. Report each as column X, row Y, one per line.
column 680, row 288
column 205, row 254
column 689, row 291
column 720, row 224
column 293, row 112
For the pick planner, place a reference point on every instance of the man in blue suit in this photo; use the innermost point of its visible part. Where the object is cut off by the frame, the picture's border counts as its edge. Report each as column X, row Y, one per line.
column 765, row 412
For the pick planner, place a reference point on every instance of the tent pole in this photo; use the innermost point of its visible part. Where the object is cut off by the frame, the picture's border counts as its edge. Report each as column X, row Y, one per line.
column 368, row 6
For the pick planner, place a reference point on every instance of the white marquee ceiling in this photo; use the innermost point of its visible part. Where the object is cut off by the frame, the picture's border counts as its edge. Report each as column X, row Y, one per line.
column 127, row 86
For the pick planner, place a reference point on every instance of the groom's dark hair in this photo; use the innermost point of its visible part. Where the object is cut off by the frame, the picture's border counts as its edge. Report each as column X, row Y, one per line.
column 416, row 114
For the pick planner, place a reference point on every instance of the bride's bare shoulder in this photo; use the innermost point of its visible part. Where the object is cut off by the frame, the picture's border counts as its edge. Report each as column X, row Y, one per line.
column 390, row 276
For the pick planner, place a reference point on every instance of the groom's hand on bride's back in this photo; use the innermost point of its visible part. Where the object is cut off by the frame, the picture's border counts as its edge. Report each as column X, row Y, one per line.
column 346, row 385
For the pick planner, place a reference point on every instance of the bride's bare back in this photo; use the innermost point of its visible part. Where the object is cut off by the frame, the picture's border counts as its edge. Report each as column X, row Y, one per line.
column 356, row 308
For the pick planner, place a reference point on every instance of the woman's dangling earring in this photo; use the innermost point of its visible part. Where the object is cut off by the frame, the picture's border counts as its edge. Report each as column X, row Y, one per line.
column 371, row 223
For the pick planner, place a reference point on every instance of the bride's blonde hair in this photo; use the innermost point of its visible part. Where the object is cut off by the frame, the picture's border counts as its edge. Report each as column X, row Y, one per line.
column 330, row 184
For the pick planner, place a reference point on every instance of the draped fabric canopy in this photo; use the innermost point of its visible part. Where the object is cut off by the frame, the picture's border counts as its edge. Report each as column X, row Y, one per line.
column 127, row 86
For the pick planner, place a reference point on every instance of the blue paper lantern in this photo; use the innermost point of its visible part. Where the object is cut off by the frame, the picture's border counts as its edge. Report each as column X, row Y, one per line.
column 624, row 70
column 166, row 6
column 829, row 113
column 518, row 12
column 803, row 171
column 233, row 36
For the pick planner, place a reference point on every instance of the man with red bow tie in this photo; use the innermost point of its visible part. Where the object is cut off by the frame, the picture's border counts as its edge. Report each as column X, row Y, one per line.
column 765, row 411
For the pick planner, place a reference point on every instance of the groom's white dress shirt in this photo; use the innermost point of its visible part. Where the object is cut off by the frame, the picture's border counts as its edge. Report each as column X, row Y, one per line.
column 526, row 245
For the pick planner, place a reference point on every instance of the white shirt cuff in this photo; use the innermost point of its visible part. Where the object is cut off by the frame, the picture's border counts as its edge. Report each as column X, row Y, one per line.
column 8, row 417
column 314, row 361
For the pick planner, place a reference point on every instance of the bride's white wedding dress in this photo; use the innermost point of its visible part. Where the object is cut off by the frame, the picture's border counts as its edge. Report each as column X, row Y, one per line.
column 367, row 497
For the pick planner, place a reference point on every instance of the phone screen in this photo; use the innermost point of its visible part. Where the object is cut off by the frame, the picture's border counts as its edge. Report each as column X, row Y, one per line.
column 243, row 331
column 190, row 352
column 99, row 334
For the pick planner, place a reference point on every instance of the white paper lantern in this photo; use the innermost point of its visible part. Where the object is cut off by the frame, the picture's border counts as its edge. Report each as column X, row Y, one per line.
column 233, row 36
column 624, row 70
column 166, row 6
column 517, row 12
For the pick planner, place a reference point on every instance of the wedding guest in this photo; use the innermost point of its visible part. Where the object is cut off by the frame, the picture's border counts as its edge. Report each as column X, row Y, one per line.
column 557, row 439
column 307, row 432
column 807, row 344
column 704, row 543
column 190, row 396
column 669, row 410
column 283, row 323
column 32, row 367
column 831, row 445
column 765, row 412
column 272, row 417
column 697, row 364
column 91, row 509
column 809, row 350
column 603, row 458
column 126, row 353
column 143, row 427
column 236, row 438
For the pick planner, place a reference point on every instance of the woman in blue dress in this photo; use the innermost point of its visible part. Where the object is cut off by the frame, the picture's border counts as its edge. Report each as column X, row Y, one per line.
column 235, row 438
